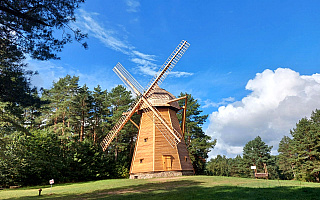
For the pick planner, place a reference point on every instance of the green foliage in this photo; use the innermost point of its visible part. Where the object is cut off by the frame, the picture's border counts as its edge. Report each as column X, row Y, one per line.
column 285, row 158
column 306, row 148
column 35, row 159
column 33, row 24
column 219, row 166
column 198, row 143
column 256, row 152
column 123, row 145
column 64, row 136
column 58, row 114
column 27, row 27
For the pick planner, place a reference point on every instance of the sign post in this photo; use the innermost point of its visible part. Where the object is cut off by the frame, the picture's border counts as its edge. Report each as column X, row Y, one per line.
column 254, row 168
column 51, row 182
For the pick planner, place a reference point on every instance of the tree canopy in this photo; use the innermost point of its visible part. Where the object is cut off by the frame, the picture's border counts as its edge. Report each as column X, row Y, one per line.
column 306, row 148
column 39, row 29
column 30, row 26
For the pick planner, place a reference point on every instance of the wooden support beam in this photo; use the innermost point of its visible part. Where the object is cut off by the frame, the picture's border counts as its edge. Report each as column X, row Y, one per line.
column 184, row 116
column 134, row 123
column 183, row 125
column 177, row 99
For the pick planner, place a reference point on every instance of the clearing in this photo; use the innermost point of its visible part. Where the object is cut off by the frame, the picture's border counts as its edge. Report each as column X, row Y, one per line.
column 187, row 187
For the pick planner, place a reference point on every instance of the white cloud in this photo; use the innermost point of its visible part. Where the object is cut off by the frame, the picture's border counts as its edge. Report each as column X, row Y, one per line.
column 208, row 103
column 133, row 5
column 144, row 56
column 108, row 37
column 50, row 72
column 180, row 74
column 278, row 100
column 111, row 38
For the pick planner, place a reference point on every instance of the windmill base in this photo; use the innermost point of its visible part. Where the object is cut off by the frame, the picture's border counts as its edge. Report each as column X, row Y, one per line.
column 147, row 175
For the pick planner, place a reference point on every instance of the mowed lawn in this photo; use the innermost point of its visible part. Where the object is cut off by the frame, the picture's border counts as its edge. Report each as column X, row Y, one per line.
column 192, row 187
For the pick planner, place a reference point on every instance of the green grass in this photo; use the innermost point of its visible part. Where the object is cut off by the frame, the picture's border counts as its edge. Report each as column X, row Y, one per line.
column 192, row 187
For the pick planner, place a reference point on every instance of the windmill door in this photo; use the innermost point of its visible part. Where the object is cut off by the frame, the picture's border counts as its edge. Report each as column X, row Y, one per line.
column 167, row 163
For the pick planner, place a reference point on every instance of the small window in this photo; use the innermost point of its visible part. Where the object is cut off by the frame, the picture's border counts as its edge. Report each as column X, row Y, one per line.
column 186, row 158
column 145, row 139
column 141, row 160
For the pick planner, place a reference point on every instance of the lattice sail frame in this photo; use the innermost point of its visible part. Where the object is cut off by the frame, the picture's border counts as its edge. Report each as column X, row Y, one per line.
column 175, row 137
column 152, row 112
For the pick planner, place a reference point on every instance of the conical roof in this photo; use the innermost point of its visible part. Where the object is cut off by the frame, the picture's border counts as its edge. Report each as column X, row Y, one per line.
column 159, row 98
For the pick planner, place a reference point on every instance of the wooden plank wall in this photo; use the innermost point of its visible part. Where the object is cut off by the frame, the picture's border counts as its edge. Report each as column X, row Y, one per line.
column 182, row 148
column 153, row 151
column 144, row 150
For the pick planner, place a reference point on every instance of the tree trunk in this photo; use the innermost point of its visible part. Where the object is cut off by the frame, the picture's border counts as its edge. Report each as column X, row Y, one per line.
column 82, row 127
column 116, row 150
column 55, row 122
column 63, row 121
column 94, row 130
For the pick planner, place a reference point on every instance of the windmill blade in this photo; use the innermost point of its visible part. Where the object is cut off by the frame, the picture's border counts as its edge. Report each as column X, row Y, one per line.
column 167, row 66
column 167, row 135
column 161, row 123
column 126, row 77
column 120, row 124
column 175, row 136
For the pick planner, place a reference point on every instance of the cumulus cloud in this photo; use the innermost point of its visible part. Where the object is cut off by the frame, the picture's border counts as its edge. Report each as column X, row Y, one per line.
column 278, row 100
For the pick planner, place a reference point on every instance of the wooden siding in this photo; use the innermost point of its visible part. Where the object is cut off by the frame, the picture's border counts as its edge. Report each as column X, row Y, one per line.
column 183, row 153
column 157, row 151
column 144, row 150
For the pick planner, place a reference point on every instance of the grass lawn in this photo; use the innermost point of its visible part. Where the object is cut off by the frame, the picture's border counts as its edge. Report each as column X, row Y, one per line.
column 191, row 187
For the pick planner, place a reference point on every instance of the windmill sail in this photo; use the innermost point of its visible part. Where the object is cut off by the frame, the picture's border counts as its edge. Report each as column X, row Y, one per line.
column 168, row 66
column 160, row 122
column 120, row 124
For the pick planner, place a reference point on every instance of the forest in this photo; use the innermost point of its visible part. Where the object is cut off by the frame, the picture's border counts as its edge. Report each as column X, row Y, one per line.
column 298, row 158
column 55, row 132
column 59, row 135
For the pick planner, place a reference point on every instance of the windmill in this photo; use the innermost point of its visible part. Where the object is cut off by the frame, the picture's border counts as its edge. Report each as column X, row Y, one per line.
column 160, row 149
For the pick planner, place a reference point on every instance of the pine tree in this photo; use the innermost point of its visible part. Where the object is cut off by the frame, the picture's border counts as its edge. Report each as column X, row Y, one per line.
column 285, row 158
column 32, row 24
column 219, row 166
column 58, row 111
column 306, row 148
column 28, row 27
column 256, row 153
column 236, row 167
column 120, row 100
column 80, row 108
column 100, row 110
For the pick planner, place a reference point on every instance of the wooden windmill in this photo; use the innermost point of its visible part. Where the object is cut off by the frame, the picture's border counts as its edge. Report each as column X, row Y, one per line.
column 160, row 149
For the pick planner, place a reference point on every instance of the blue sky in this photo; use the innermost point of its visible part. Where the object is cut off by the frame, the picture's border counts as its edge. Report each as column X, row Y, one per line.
column 252, row 60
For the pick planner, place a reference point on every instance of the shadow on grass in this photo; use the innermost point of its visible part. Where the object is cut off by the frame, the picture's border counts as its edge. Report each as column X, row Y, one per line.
column 55, row 185
column 188, row 189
